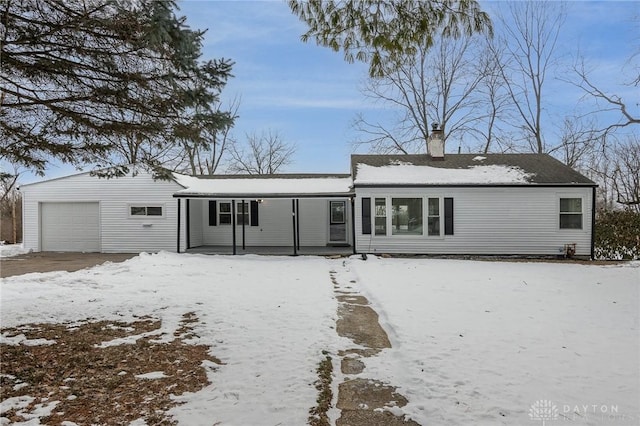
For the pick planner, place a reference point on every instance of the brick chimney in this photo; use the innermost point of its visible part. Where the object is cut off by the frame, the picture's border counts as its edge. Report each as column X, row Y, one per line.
column 435, row 143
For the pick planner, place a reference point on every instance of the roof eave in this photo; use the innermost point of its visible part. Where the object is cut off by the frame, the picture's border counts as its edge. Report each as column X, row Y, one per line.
column 241, row 196
column 475, row 185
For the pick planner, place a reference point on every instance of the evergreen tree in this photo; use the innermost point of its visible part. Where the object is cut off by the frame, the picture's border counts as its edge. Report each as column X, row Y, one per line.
column 79, row 75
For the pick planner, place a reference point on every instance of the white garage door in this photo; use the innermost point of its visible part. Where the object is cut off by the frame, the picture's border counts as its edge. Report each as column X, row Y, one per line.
column 70, row 227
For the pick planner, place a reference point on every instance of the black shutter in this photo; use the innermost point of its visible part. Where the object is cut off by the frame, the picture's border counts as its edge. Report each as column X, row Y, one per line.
column 448, row 216
column 213, row 213
column 254, row 213
column 366, row 216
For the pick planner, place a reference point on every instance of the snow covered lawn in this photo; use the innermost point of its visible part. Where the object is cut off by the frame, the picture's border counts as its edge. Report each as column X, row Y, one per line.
column 10, row 250
column 473, row 342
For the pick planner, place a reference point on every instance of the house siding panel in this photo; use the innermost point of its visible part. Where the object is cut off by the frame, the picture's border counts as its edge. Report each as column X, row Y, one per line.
column 500, row 221
column 118, row 231
column 196, row 210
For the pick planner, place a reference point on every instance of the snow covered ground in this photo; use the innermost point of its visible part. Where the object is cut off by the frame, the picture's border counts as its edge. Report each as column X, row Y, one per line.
column 9, row 250
column 473, row 342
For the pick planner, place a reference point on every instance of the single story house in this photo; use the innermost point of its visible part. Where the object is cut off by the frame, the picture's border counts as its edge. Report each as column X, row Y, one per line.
column 491, row 204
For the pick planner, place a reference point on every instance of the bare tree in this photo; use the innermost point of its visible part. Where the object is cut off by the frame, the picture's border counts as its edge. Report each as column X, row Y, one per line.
column 10, row 205
column 626, row 173
column 606, row 102
column 436, row 85
column 577, row 140
column 531, row 32
column 496, row 100
column 207, row 156
column 615, row 166
column 263, row 154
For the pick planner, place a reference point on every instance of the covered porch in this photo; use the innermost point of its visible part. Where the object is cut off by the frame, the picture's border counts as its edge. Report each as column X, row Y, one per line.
column 275, row 250
column 271, row 215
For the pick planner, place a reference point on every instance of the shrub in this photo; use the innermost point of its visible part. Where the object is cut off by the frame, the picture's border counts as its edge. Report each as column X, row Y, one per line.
column 617, row 235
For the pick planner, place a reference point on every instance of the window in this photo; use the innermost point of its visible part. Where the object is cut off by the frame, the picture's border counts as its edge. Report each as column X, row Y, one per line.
column 433, row 219
column 381, row 216
column 570, row 213
column 250, row 216
column 224, row 213
column 406, row 216
column 143, row 211
column 240, row 207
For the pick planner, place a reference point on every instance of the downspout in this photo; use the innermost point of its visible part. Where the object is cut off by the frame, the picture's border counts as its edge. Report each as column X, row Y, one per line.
column 178, row 233
column 593, row 223
column 233, row 225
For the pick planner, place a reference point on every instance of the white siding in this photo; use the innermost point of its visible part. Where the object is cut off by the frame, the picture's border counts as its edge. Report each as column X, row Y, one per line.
column 119, row 232
column 196, row 221
column 500, row 221
column 275, row 227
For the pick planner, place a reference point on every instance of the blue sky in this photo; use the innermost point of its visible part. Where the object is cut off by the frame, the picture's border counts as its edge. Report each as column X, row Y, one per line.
column 310, row 95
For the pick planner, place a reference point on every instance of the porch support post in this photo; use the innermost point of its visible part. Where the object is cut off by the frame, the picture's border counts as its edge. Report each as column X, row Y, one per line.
column 243, row 225
column 298, row 223
column 353, row 223
column 293, row 218
column 188, row 223
column 233, row 225
column 593, row 223
column 178, row 230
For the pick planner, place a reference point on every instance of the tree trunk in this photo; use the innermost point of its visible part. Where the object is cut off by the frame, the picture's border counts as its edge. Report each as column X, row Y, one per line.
column 13, row 220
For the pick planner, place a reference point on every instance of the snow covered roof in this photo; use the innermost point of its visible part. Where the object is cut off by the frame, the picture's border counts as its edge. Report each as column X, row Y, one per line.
column 463, row 169
column 265, row 186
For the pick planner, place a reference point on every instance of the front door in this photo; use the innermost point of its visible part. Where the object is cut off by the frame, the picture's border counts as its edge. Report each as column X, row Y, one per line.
column 337, row 222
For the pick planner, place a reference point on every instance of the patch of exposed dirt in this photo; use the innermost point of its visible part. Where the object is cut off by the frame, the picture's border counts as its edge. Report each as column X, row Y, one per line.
column 318, row 414
column 84, row 381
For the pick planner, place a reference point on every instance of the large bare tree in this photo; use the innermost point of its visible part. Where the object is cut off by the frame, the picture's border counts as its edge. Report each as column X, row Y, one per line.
column 262, row 154
column 528, row 56
column 436, row 85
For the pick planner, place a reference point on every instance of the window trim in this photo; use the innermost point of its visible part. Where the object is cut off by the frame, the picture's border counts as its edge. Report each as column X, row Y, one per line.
column 559, row 213
column 146, row 215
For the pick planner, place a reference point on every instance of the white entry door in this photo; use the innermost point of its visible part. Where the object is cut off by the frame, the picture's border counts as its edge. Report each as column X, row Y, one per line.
column 70, row 227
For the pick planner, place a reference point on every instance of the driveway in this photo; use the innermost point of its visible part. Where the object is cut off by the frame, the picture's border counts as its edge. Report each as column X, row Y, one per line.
column 51, row 261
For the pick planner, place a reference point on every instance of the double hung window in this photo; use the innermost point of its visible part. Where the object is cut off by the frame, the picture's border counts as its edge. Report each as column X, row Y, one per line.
column 570, row 213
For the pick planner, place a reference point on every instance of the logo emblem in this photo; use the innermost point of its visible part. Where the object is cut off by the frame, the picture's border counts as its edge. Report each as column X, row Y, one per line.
column 543, row 410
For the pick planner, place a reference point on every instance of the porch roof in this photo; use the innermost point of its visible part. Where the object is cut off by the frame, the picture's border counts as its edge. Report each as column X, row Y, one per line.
column 265, row 186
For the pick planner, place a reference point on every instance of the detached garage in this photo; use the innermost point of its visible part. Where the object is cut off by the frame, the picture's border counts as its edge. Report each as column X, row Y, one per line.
column 84, row 213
